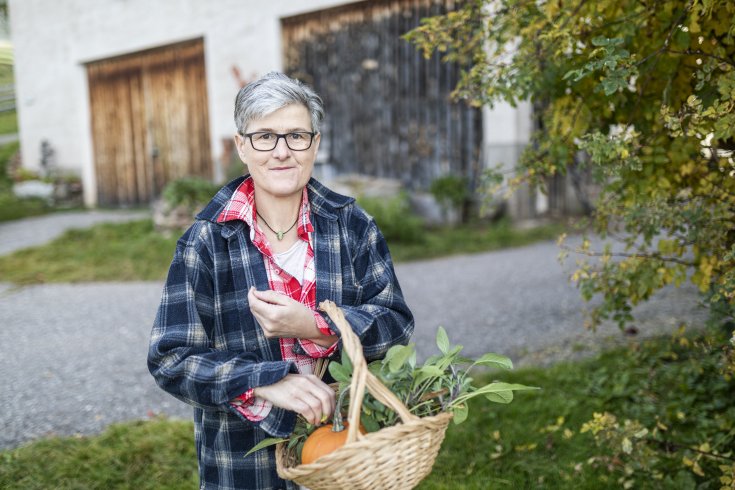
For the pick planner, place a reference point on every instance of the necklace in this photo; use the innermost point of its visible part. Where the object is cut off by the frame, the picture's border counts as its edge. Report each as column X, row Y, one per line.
column 279, row 234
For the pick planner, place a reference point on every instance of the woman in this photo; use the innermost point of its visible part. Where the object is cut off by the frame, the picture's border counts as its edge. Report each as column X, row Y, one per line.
column 238, row 334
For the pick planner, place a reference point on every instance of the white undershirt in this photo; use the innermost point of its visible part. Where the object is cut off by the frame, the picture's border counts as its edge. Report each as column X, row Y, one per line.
column 292, row 260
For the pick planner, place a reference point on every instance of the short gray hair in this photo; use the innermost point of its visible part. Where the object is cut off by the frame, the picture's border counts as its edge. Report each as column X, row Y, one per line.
column 272, row 92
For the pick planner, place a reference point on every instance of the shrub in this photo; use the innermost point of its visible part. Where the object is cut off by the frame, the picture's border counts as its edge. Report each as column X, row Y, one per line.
column 449, row 191
column 189, row 191
column 394, row 217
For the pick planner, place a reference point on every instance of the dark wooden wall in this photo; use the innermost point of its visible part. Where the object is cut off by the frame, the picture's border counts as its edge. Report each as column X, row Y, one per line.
column 388, row 109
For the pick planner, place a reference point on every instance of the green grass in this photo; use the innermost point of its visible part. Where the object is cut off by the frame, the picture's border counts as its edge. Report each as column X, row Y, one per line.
column 8, row 122
column 106, row 252
column 154, row 454
column 534, row 442
column 12, row 208
column 135, row 251
column 467, row 239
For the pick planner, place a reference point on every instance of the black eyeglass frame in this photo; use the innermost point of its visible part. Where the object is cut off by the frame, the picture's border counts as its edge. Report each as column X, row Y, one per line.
column 278, row 136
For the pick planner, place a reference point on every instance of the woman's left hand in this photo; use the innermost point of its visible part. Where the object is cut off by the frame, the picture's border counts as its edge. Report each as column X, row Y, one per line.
column 281, row 316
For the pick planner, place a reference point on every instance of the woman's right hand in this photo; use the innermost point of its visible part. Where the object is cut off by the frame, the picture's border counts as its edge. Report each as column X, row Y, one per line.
column 305, row 394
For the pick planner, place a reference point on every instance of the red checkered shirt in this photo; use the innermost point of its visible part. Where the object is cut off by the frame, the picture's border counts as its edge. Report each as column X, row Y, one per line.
column 242, row 206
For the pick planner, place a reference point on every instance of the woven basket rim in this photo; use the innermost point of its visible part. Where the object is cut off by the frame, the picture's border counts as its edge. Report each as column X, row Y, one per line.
column 367, row 440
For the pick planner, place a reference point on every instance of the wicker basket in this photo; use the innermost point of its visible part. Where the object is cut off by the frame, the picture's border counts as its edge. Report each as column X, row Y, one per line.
column 394, row 457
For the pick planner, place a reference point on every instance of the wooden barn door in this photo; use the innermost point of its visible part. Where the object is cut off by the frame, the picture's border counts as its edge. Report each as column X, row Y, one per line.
column 149, row 122
column 389, row 112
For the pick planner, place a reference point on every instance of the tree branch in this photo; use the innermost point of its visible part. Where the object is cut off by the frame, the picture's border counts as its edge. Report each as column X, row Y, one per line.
column 701, row 53
column 654, row 255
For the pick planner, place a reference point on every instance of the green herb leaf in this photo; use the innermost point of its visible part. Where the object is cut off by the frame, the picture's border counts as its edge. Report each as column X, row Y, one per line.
column 346, row 362
column 498, row 388
column 504, row 397
column 460, row 413
column 442, row 341
column 425, row 372
column 399, row 356
column 370, row 424
column 267, row 442
column 495, row 360
column 339, row 372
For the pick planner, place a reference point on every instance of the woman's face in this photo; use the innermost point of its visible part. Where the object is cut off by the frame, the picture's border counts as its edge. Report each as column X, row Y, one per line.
column 280, row 172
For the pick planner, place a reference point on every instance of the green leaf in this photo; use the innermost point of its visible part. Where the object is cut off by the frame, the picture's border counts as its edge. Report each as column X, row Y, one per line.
column 495, row 360
column 498, row 388
column 345, row 359
column 442, row 340
column 460, row 413
column 370, row 424
column 426, row 372
column 504, row 397
column 339, row 372
column 267, row 442
column 401, row 355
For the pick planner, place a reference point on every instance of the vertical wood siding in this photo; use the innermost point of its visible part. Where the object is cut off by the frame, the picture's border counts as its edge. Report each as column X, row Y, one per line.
column 388, row 109
column 149, row 119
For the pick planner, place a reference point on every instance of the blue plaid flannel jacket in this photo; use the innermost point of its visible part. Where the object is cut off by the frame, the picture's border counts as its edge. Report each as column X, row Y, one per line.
column 206, row 348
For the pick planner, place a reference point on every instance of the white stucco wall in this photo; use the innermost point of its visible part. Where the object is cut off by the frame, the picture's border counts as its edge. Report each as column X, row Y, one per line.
column 52, row 41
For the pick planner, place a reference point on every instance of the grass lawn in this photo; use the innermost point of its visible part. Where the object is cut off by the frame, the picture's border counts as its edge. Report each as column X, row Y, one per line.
column 8, row 122
column 141, row 253
column 672, row 387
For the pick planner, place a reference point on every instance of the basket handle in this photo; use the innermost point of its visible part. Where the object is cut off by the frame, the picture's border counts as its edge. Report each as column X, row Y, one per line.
column 361, row 376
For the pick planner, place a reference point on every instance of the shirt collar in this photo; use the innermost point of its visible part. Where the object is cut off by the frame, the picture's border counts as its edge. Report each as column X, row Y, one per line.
column 241, row 206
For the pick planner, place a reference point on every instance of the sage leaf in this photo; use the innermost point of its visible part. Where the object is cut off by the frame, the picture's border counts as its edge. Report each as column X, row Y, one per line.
column 267, row 442
column 495, row 360
column 493, row 388
column 339, row 372
column 504, row 397
column 460, row 413
column 402, row 354
column 442, row 341
column 346, row 362
column 425, row 372
column 370, row 424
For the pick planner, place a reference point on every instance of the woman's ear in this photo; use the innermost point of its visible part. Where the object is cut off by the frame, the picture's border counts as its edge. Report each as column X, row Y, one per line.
column 240, row 142
column 315, row 144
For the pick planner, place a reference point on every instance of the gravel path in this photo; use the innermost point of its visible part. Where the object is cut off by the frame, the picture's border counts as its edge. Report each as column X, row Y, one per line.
column 73, row 355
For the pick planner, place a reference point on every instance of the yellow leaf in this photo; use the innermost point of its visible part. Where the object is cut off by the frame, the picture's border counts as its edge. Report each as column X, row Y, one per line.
column 627, row 446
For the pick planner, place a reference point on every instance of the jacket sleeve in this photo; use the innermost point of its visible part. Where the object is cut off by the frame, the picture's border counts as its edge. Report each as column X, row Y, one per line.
column 181, row 355
column 381, row 318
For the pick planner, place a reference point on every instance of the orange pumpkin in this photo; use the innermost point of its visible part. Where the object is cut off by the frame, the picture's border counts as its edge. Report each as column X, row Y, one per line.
column 323, row 441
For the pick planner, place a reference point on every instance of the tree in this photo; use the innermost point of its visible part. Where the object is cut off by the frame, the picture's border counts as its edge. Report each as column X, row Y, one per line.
column 645, row 91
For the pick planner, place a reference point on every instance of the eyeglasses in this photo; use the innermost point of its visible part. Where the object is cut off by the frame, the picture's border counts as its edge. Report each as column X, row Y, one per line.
column 266, row 141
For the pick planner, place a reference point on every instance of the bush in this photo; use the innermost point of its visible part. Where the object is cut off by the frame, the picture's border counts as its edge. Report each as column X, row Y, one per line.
column 6, row 153
column 395, row 218
column 449, row 191
column 189, row 191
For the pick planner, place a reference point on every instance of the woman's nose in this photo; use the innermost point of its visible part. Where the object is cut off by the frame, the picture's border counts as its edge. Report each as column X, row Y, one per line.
column 281, row 149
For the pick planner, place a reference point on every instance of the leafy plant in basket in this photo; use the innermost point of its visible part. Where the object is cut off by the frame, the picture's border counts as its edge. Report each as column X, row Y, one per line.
column 442, row 384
